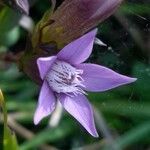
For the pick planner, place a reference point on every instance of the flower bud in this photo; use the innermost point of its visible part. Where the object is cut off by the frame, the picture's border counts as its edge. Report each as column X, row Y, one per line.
column 71, row 20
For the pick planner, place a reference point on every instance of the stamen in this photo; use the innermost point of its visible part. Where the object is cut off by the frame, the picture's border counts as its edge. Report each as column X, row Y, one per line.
column 64, row 78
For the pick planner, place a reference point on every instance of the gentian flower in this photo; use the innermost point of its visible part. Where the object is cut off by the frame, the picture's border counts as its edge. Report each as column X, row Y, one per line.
column 67, row 79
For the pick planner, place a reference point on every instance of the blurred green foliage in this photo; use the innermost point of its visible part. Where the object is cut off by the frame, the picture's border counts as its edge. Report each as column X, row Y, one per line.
column 9, row 30
column 125, row 110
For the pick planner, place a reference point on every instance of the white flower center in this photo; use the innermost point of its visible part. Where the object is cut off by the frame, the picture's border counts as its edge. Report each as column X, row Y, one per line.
column 64, row 78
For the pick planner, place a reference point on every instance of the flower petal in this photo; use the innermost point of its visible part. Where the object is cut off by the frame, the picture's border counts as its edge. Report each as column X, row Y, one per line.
column 79, row 50
column 98, row 78
column 44, row 64
column 80, row 108
column 46, row 103
column 23, row 6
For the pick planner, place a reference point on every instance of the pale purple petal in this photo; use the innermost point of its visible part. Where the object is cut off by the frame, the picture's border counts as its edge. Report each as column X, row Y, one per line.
column 98, row 78
column 23, row 5
column 79, row 50
column 44, row 64
column 80, row 108
column 46, row 103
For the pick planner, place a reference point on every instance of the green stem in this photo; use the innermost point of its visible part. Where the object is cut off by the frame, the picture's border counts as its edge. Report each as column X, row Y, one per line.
column 3, row 105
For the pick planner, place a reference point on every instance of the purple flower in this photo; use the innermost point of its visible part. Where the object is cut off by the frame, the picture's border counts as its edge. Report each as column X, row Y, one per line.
column 66, row 79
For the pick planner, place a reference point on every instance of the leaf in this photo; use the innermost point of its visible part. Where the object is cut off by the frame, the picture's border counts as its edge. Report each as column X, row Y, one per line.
column 111, row 104
column 50, row 134
column 10, row 141
column 9, row 31
column 140, row 132
column 135, row 8
column 9, row 138
column 142, row 86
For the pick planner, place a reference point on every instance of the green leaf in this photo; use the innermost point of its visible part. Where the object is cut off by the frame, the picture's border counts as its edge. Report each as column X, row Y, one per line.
column 9, row 31
column 136, row 9
column 10, row 141
column 9, row 138
column 142, row 86
column 111, row 104
column 50, row 134
column 8, row 19
column 133, row 136
column 9, row 38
